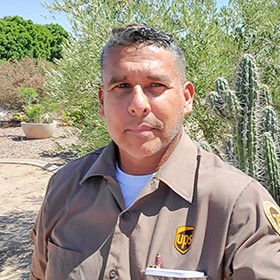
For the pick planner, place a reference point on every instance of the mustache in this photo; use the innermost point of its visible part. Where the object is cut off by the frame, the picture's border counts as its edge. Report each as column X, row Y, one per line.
column 153, row 122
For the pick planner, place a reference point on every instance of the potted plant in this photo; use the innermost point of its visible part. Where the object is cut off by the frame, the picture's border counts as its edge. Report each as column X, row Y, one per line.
column 37, row 119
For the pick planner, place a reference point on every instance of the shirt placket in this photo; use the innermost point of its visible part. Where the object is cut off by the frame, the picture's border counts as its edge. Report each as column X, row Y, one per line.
column 117, row 266
column 119, row 256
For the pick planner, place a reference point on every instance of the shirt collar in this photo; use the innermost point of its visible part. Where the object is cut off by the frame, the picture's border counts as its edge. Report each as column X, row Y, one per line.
column 105, row 164
column 178, row 172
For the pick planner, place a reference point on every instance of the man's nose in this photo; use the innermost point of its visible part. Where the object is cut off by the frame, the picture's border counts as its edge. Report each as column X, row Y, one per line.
column 139, row 104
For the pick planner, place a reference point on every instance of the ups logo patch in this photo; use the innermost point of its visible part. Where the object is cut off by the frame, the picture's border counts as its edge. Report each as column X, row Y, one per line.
column 183, row 239
column 272, row 213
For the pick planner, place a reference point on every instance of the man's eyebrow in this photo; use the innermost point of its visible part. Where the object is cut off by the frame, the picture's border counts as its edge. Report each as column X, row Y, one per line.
column 115, row 80
column 162, row 78
column 156, row 77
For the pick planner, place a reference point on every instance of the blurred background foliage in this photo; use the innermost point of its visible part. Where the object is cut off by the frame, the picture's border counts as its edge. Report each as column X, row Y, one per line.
column 20, row 38
column 212, row 39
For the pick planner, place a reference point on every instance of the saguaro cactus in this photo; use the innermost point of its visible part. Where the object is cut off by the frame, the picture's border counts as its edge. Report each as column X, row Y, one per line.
column 246, row 88
column 254, row 144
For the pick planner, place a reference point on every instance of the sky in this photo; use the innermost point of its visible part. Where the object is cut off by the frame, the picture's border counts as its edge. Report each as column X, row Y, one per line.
column 34, row 10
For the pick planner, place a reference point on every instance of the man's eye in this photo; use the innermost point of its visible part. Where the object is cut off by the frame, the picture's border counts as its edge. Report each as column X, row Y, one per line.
column 156, row 88
column 123, row 85
column 157, row 85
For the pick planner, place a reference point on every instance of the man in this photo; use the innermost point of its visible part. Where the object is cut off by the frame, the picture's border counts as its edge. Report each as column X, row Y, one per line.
column 152, row 202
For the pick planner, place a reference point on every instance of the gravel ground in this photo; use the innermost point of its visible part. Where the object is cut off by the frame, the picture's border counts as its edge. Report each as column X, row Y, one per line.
column 22, row 188
column 14, row 145
column 55, row 150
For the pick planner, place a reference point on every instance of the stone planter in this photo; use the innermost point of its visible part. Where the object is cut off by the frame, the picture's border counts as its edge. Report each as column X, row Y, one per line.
column 38, row 130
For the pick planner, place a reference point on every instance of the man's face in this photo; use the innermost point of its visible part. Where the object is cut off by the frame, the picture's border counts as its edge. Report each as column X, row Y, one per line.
column 143, row 100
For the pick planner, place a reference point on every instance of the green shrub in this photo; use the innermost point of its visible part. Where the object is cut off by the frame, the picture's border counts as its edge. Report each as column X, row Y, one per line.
column 35, row 109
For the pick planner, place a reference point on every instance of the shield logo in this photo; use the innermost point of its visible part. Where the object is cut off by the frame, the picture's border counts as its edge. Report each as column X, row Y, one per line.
column 272, row 213
column 183, row 239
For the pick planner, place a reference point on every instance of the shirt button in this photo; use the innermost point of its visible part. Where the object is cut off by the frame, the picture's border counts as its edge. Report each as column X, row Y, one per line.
column 113, row 274
column 126, row 216
column 153, row 184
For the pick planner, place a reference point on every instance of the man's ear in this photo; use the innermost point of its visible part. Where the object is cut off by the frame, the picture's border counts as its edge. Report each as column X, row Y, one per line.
column 189, row 92
column 101, row 101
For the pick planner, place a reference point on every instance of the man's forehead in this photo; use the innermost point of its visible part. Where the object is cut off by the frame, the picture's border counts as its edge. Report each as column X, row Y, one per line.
column 140, row 57
column 134, row 59
column 135, row 49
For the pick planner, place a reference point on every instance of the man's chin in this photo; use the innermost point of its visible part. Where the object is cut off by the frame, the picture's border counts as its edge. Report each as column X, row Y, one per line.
column 150, row 148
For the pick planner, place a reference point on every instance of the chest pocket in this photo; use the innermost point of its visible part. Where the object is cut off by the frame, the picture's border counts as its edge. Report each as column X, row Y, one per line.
column 62, row 263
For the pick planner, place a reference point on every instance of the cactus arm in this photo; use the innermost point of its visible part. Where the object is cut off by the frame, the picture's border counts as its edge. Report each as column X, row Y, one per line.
column 272, row 167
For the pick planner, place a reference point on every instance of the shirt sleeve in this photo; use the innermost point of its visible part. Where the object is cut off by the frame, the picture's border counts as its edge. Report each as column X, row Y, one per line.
column 253, row 243
column 39, row 257
column 39, row 236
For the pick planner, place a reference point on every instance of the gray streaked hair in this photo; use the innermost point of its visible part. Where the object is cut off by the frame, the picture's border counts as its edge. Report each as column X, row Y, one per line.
column 142, row 34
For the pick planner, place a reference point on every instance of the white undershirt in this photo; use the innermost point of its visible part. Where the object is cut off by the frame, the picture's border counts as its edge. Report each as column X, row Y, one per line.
column 131, row 185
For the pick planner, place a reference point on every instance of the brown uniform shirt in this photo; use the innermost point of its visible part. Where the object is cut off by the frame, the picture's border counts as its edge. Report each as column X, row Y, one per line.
column 197, row 212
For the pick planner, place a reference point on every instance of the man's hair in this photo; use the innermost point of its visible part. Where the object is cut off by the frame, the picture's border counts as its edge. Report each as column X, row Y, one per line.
column 142, row 34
